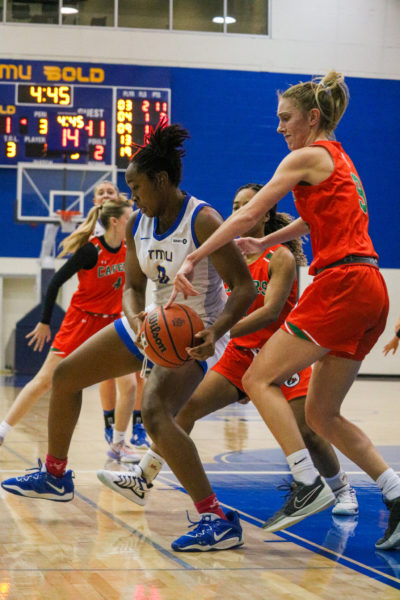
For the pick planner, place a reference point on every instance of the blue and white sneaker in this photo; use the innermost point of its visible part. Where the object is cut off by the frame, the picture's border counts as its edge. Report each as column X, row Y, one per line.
column 211, row 533
column 139, row 436
column 40, row 484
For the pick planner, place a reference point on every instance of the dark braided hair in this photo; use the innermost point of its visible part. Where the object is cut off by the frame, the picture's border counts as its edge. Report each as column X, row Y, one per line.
column 278, row 220
column 162, row 152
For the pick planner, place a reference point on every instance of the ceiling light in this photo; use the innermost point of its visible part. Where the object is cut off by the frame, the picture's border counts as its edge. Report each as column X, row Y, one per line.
column 221, row 20
column 68, row 10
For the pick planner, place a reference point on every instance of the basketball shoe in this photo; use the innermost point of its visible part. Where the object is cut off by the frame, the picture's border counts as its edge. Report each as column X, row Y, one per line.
column 211, row 533
column 41, row 484
column 130, row 484
column 122, row 453
column 391, row 537
column 302, row 501
column 139, row 436
column 346, row 503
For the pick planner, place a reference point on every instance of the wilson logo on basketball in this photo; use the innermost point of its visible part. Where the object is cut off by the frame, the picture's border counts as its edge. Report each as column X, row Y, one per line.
column 155, row 330
column 178, row 322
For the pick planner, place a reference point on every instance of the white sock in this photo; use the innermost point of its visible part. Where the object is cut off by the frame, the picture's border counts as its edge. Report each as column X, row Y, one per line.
column 338, row 481
column 118, row 436
column 302, row 467
column 151, row 464
column 5, row 428
column 389, row 482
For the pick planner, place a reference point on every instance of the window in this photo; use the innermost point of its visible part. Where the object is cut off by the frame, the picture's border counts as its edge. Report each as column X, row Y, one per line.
column 99, row 13
column 249, row 17
column 197, row 16
column 143, row 14
column 32, row 12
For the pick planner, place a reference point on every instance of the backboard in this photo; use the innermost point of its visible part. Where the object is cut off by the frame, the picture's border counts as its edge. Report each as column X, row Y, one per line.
column 44, row 189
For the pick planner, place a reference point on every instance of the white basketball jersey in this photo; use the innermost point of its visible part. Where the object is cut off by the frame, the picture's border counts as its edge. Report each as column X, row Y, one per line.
column 161, row 255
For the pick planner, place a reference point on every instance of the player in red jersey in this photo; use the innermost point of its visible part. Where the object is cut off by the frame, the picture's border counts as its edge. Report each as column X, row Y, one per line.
column 106, row 190
column 339, row 316
column 99, row 264
column 274, row 275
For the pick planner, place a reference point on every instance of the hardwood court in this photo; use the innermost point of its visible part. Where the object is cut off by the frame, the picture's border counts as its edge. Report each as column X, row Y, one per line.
column 102, row 546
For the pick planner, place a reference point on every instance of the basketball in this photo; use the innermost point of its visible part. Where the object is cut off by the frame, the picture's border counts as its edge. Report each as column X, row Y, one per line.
column 166, row 333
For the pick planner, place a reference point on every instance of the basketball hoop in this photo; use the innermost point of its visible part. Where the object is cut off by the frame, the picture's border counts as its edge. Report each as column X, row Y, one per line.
column 68, row 219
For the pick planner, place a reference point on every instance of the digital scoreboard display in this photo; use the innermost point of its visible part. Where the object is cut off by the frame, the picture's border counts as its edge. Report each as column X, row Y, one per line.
column 77, row 124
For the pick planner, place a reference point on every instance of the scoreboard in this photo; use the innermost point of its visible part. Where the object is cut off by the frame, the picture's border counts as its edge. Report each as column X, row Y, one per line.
column 74, row 123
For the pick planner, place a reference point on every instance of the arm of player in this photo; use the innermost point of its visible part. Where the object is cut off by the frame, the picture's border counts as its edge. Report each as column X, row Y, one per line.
column 282, row 274
column 84, row 258
column 232, row 268
column 294, row 168
column 296, row 229
column 134, row 296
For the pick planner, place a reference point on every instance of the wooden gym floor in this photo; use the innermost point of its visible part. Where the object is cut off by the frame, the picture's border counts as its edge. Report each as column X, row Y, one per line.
column 102, row 546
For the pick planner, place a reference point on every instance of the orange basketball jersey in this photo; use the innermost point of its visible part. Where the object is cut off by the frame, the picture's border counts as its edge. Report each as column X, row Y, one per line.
column 100, row 288
column 336, row 212
column 259, row 270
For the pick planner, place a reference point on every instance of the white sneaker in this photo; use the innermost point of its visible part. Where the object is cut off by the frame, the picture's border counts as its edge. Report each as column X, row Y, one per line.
column 345, row 501
column 122, row 453
column 130, row 484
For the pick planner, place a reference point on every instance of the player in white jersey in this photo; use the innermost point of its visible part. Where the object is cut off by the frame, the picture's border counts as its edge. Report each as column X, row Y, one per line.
column 153, row 176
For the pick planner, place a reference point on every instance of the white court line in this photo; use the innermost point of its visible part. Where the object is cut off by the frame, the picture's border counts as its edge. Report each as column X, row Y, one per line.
column 93, row 471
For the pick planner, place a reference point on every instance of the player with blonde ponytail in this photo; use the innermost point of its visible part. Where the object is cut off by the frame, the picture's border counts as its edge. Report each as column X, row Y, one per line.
column 339, row 316
column 99, row 264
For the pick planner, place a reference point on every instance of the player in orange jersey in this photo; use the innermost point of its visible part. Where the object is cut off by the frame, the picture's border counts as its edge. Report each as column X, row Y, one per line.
column 106, row 190
column 99, row 264
column 340, row 315
column 274, row 275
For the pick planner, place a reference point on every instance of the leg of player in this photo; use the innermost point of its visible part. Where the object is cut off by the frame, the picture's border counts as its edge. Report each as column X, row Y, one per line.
column 326, row 461
column 215, row 530
column 213, row 392
column 276, row 362
column 39, row 385
column 108, row 398
column 139, row 437
column 119, row 449
column 103, row 356
column 331, row 379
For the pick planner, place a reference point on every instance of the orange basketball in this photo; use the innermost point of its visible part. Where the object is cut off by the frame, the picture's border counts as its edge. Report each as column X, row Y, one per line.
column 166, row 333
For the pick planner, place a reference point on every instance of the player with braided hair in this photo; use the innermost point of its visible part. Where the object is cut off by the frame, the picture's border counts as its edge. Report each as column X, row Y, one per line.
column 169, row 224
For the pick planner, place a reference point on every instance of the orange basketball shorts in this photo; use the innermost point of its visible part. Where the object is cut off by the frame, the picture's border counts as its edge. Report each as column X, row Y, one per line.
column 76, row 328
column 236, row 360
column 344, row 309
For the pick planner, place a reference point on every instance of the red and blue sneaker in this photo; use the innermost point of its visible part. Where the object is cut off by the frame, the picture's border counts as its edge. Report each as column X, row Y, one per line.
column 211, row 533
column 41, row 484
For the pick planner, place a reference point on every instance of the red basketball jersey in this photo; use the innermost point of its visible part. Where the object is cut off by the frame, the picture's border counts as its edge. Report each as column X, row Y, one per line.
column 100, row 288
column 259, row 272
column 336, row 212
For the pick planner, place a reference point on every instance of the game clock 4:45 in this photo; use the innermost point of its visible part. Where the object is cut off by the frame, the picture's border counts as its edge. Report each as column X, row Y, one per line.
column 55, row 95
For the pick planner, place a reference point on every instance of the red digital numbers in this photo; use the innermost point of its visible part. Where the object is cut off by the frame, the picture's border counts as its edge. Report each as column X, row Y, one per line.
column 98, row 153
column 70, row 135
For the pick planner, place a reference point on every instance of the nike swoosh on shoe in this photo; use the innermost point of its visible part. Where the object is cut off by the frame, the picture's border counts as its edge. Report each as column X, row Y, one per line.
column 303, row 501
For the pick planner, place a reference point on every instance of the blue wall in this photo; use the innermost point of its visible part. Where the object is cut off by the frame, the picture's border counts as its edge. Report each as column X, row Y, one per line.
column 231, row 118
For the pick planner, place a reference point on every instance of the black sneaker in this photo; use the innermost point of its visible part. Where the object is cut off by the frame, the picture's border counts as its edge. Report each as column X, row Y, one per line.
column 391, row 537
column 303, row 501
